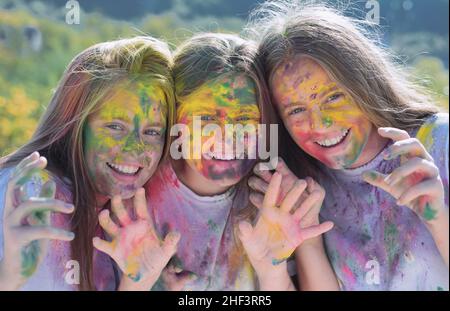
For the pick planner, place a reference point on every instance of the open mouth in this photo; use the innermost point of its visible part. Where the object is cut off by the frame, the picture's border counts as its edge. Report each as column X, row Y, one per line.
column 333, row 142
column 124, row 169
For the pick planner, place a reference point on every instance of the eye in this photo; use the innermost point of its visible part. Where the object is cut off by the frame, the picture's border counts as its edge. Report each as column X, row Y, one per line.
column 207, row 118
column 152, row 132
column 115, row 127
column 334, row 97
column 296, row 111
column 243, row 118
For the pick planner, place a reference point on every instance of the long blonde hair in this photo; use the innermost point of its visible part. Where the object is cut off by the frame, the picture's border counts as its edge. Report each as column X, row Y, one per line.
column 88, row 81
column 380, row 86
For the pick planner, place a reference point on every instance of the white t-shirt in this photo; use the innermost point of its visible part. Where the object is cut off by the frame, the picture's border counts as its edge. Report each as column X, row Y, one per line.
column 376, row 244
column 207, row 246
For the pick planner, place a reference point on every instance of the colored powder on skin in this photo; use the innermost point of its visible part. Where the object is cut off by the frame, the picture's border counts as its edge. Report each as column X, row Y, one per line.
column 327, row 121
column 429, row 213
column 135, row 278
column 30, row 254
column 276, row 262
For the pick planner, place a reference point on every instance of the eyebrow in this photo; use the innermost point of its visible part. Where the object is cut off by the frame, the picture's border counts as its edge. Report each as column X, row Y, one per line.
column 122, row 117
column 319, row 95
column 158, row 124
column 327, row 90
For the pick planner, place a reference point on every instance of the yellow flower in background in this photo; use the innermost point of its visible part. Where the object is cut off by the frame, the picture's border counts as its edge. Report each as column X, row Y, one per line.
column 17, row 122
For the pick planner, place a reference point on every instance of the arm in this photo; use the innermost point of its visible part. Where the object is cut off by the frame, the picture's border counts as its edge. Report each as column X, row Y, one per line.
column 313, row 267
column 279, row 231
column 26, row 224
column 416, row 184
column 439, row 229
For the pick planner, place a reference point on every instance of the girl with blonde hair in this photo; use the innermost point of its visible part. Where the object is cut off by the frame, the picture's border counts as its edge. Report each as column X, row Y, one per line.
column 100, row 139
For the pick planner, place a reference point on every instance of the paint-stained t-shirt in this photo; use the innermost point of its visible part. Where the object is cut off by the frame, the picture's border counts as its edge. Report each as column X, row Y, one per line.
column 57, row 270
column 375, row 244
column 207, row 246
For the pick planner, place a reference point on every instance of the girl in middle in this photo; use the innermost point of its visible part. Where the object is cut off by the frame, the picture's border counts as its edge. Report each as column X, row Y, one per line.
column 205, row 198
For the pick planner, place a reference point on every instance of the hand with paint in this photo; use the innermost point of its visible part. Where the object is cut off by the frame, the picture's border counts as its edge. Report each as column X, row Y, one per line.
column 278, row 233
column 415, row 183
column 26, row 227
column 259, row 184
column 135, row 245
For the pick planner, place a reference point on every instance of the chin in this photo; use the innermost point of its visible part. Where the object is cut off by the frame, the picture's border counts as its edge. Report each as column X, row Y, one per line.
column 228, row 182
column 125, row 193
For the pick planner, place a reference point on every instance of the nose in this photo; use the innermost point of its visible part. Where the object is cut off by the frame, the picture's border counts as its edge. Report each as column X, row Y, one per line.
column 315, row 118
column 133, row 143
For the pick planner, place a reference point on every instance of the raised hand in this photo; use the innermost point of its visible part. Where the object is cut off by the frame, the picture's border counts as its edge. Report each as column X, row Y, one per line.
column 416, row 182
column 278, row 232
column 135, row 245
column 259, row 184
column 26, row 223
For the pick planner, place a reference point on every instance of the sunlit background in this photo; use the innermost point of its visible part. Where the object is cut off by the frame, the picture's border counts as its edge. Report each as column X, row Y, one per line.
column 36, row 43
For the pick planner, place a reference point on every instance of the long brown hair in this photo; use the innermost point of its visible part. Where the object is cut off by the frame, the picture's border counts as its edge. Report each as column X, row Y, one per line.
column 84, row 86
column 351, row 54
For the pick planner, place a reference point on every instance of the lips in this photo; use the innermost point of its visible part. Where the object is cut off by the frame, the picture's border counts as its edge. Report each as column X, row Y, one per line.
column 124, row 169
column 124, row 173
column 334, row 141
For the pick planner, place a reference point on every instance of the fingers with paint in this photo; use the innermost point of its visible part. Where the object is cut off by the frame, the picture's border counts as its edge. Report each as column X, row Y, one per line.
column 135, row 245
column 26, row 223
column 278, row 230
column 259, row 184
column 416, row 182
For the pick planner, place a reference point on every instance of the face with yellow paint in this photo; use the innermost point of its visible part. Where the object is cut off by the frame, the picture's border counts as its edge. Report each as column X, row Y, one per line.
column 228, row 100
column 320, row 115
column 124, row 139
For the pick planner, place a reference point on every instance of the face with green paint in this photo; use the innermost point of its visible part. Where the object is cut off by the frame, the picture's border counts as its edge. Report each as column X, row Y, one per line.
column 321, row 116
column 228, row 100
column 124, row 139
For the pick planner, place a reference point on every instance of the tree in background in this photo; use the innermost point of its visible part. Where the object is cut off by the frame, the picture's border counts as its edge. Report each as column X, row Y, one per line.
column 36, row 44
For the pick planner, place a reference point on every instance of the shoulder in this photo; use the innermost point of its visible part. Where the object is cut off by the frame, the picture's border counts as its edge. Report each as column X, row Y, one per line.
column 433, row 133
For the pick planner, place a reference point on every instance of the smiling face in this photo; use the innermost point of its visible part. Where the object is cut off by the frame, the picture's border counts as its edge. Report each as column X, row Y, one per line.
column 321, row 116
column 124, row 139
column 229, row 100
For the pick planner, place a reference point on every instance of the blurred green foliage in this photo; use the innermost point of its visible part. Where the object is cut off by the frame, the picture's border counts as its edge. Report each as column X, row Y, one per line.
column 36, row 44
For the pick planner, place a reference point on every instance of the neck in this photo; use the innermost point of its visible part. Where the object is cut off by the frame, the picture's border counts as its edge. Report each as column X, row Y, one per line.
column 195, row 181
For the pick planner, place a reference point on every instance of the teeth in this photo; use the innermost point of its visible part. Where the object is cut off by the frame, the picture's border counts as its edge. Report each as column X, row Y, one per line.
column 125, row 169
column 224, row 157
column 333, row 141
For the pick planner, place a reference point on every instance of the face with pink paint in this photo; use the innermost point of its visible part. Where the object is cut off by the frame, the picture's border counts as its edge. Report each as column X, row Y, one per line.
column 321, row 116
column 228, row 100
column 124, row 139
